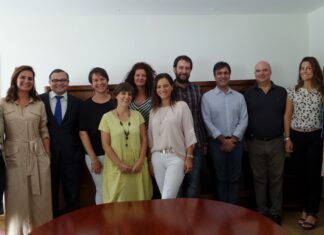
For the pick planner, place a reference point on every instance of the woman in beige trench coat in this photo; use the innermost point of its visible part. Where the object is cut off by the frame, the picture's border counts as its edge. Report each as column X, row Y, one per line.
column 28, row 188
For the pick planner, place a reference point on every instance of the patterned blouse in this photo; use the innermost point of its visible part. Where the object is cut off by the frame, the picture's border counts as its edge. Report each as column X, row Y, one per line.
column 307, row 108
column 143, row 108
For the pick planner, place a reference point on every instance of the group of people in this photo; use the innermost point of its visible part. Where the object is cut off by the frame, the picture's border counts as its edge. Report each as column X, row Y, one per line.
column 148, row 137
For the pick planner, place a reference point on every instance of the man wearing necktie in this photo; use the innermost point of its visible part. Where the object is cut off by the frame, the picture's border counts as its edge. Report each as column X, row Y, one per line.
column 66, row 149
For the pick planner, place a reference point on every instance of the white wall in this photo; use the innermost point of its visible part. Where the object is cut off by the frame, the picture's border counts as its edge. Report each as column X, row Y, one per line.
column 316, row 40
column 77, row 44
column 316, row 34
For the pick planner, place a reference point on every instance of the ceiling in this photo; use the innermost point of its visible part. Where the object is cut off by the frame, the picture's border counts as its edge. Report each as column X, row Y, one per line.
column 156, row 7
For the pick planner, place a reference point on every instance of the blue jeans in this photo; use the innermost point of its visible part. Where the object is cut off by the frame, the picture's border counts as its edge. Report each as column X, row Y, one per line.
column 191, row 182
column 227, row 166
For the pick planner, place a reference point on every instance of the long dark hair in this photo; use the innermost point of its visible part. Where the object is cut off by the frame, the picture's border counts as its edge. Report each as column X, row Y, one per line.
column 318, row 74
column 150, row 74
column 156, row 100
column 12, row 93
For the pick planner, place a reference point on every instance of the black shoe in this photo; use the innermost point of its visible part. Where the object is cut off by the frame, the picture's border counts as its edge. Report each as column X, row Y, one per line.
column 276, row 219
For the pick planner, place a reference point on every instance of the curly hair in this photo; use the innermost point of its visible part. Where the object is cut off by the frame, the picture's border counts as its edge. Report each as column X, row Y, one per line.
column 12, row 93
column 317, row 71
column 150, row 74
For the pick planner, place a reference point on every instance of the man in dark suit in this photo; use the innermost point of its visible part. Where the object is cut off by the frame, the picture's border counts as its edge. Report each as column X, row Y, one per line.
column 66, row 150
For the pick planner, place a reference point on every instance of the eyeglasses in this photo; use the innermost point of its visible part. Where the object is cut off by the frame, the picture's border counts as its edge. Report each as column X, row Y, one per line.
column 59, row 80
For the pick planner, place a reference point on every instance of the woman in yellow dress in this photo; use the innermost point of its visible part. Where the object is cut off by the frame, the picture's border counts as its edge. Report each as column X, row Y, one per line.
column 123, row 136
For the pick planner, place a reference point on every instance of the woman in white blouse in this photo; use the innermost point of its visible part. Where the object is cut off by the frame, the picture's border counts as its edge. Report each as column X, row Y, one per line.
column 171, row 137
column 303, row 136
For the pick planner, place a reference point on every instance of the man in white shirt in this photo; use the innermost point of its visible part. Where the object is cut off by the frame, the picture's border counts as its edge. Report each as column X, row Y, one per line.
column 66, row 150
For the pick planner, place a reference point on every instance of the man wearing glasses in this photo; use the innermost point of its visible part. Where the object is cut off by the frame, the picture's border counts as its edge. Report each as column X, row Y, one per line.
column 66, row 150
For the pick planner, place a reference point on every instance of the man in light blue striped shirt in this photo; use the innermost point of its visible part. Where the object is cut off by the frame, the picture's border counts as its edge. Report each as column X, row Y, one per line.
column 225, row 116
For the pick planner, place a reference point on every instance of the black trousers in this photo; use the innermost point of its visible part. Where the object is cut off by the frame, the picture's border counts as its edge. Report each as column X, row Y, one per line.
column 68, row 175
column 307, row 160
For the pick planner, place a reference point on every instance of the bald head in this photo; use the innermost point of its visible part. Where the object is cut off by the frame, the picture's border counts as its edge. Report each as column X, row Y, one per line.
column 262, row 72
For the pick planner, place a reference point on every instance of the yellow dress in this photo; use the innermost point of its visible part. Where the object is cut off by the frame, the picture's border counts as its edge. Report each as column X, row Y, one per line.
column 118, row 186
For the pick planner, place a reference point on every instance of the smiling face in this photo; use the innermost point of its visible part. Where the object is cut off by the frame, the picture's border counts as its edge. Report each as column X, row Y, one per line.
column 164, row 89
column 99, row 83
column 262, row 72
column 124, row 98
column 140, row 78
column 182, row 70
column 59, row 83
column 222, row 77
column 25, row 81
column 306, row 71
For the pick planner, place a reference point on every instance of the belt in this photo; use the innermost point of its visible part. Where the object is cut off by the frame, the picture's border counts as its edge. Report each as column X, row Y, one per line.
column 32, row 167
column 265, row 138
column 305, row 129
column 164, row 151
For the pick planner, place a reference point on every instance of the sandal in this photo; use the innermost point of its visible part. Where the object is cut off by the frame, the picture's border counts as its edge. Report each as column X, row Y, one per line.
column 308, row 225
column 300, row 221
column 302, row 218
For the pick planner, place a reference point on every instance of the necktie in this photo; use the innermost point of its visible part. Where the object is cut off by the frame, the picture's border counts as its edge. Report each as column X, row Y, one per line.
column 58, row 110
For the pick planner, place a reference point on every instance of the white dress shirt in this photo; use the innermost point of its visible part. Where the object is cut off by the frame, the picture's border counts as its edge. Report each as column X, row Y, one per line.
column 63, row 100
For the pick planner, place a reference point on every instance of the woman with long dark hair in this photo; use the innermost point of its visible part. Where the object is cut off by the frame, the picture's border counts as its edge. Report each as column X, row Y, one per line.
column 171, row 137
column 141, row 78
column 303, row 136
column 28, row 190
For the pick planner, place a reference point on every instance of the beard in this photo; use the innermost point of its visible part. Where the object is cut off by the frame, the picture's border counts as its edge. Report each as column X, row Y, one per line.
column 183, row 79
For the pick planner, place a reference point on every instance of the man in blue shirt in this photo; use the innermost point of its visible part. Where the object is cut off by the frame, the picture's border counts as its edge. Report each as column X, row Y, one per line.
column 225, row 116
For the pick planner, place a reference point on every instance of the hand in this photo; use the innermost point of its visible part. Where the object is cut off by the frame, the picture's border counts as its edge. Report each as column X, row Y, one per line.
column 96, row 166
column 289, row 146
column 151, row 170
column 124, row 168
column 204, row 151
column 137, row 166
column 188, row 165
column 228, row 145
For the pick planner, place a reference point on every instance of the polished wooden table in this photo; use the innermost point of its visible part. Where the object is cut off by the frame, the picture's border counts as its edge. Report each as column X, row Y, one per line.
column 162, row 217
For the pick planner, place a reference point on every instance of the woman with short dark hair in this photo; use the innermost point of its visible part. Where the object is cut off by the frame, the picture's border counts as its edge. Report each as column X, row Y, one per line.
column 92, row 111
column 123, row 136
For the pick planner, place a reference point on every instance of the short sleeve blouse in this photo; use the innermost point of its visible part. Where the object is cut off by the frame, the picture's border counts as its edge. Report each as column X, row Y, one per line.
column 306, row 108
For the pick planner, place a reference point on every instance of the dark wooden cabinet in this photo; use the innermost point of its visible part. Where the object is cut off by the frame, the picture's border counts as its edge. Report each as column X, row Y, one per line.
column 207, row 184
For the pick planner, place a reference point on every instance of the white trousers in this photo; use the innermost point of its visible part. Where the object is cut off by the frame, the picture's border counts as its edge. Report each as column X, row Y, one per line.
column 97, row 178
column 168, row 172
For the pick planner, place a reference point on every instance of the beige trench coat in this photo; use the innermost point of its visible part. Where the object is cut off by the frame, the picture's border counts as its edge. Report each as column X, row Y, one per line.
column 28, row 190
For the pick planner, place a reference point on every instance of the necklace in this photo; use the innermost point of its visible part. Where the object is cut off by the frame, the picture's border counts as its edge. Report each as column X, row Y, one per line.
column 126, row 132
column 162, row 114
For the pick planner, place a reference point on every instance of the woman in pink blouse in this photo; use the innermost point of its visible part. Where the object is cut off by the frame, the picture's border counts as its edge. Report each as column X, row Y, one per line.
column 171, row 137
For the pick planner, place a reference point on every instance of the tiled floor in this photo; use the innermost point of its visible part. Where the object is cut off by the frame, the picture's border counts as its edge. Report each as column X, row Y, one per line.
column 1, row 225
